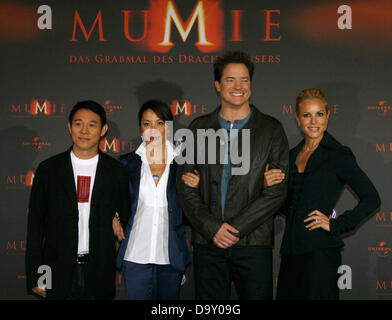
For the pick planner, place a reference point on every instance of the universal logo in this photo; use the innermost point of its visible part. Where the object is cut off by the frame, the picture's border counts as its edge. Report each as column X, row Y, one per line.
column 36, row 144
column 113, row 145
column 38, row 108
column 382, row 250
column 290, row 109
column 110, row 107
column 382, row 108
column 384, row 219
column 20, row 181
column 186, row 109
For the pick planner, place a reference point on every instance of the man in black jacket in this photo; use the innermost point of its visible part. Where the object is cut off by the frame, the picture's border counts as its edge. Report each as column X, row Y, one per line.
column 231, row 212
column 73, row 203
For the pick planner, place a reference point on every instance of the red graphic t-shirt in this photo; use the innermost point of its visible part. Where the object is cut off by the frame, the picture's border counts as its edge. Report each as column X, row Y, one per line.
column 83, row 188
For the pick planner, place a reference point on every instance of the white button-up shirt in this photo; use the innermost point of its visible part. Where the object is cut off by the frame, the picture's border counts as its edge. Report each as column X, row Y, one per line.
column 149, row 237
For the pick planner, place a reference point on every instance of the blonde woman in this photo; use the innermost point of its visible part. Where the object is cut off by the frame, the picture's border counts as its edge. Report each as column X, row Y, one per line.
column 320, row 167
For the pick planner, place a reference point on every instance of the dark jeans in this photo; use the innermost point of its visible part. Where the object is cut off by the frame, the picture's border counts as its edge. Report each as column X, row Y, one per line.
column 151, row 281
column 249, row 267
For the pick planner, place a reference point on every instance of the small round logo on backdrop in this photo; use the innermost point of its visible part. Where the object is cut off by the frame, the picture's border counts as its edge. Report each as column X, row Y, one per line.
column 382, row 250
column 382, row 109
column 111, row 107
column 36, row 143
column 113, row 145
column 186, row 108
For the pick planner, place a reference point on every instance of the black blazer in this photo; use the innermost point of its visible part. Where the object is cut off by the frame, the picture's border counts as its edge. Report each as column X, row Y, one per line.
column 52, row 230
column 330, row 167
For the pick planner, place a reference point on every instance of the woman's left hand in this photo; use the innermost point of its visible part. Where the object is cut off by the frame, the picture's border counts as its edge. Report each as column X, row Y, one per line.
column 318, row 220
column 117, row 229
column 272, row 177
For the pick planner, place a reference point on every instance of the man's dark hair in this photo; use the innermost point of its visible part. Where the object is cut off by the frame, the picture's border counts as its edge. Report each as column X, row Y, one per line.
column 89, row 105
column 232, row 57
column 160, row 108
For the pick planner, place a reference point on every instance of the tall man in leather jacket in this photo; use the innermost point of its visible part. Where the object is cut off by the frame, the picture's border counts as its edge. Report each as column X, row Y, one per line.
column 232, row 214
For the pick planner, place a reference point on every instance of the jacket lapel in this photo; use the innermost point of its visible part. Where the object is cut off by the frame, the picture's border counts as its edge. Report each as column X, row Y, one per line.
column 171, row 187
column 134, row 170
column 253, row 124
column 68, row 178
column 99, row 181
column 314, row 162
column 216, row 173
column 319, row 156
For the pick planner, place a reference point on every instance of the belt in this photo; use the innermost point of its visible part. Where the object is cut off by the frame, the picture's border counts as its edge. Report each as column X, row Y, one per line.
column 82, row 258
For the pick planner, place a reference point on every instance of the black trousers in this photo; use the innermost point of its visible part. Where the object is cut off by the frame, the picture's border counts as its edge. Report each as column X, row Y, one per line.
column 249, row 267
column 80, row 288
column 310, row 276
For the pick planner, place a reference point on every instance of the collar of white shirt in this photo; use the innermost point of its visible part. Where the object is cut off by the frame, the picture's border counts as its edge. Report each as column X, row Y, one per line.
column 171, row 151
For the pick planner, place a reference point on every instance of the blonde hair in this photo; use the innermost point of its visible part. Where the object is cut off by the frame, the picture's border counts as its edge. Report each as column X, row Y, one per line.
column 310, row 93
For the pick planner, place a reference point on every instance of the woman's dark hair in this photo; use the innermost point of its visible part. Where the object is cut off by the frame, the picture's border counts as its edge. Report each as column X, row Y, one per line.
column 160, row 108
column 232, row 57
column 89, row 105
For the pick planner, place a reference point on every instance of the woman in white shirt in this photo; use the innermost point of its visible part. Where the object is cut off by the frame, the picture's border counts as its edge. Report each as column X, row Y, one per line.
column 154, row 254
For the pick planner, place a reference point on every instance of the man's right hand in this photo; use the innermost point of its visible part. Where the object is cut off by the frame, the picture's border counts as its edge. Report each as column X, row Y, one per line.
column 39, row 291
column 224, row 238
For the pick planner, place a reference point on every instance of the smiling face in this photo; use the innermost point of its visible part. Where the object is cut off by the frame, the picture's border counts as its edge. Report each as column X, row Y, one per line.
column 86, row 132
column 234, row 86
column 152, row 127
column 312, row 118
